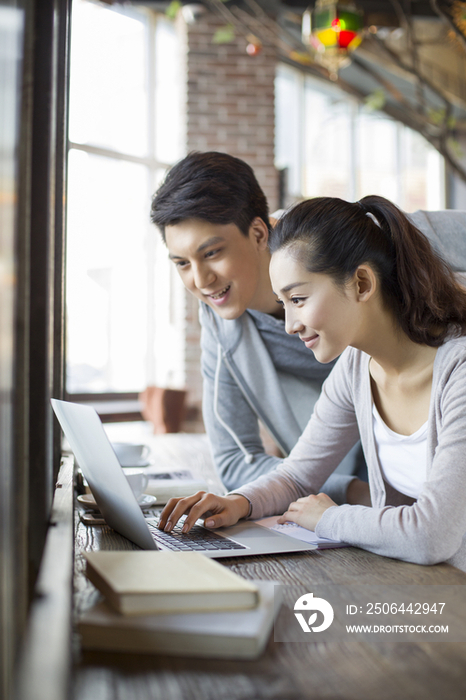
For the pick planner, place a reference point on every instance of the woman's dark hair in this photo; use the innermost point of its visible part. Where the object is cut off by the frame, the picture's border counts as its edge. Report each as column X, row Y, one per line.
column 334, row 237
column 216, row 187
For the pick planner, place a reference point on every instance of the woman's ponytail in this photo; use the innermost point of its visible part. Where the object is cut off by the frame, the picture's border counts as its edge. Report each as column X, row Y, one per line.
column 431, row 303
column 334, row 237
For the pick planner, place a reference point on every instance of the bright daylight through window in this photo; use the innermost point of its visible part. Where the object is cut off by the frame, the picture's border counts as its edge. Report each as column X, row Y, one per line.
column 121, row 102
column 125, row 302
column 327, row 142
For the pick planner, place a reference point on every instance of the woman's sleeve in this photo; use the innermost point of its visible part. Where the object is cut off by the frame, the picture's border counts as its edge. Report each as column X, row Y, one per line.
column 432, row 529
column 331, row 432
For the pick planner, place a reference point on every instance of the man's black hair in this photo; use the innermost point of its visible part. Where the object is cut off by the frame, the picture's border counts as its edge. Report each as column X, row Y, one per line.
column 212, row 186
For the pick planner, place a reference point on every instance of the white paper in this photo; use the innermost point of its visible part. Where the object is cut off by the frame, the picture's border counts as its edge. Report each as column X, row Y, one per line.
column 298, row 532
column 172, row 484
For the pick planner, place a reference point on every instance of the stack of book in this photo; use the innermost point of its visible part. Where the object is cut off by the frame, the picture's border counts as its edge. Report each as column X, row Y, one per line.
column 176, row 603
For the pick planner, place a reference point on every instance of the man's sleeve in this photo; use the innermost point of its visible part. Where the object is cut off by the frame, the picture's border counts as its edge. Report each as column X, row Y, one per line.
column 236, row 413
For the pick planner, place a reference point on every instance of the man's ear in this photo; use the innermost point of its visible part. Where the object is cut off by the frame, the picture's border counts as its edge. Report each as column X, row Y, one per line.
column 260, row 232
column 366, row 282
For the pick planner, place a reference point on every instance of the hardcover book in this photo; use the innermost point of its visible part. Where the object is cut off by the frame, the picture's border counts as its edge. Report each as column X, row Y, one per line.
column 140, row 583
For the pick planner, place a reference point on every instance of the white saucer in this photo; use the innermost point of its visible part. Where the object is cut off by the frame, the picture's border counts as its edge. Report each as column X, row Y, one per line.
column 146, row 500
column 136, row 465
column 88, row 500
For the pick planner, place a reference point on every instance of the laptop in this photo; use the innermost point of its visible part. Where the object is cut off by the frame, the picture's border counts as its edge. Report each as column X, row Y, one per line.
column 121, row 511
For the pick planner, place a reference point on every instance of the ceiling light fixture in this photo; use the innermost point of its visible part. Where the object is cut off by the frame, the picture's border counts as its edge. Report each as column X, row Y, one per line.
column 333, row 29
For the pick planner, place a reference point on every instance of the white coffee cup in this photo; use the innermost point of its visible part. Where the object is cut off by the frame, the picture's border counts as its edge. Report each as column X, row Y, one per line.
column 138, row 481
column 131, row 455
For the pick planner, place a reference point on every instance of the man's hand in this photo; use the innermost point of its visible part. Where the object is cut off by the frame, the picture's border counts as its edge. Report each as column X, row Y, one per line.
column 218, row 511
column 307, row 511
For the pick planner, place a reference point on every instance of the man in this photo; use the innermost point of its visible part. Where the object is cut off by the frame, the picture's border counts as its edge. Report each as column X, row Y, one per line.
column 213, row 217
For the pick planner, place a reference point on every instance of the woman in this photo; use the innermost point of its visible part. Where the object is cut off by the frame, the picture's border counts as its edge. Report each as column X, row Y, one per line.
column 358, row 279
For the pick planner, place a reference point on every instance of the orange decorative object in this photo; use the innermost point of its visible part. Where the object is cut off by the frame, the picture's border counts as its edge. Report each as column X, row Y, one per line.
column 253, row 49
column 164, row 408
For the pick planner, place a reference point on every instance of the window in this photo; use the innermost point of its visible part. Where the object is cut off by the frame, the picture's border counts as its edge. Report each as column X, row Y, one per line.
column 124, row 131
column 331, row 146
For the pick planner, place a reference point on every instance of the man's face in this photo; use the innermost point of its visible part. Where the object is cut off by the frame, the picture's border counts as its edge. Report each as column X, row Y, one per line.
column 217, row 263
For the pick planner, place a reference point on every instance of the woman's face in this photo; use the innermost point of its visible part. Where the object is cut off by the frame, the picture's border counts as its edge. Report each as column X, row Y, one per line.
column 326, row 317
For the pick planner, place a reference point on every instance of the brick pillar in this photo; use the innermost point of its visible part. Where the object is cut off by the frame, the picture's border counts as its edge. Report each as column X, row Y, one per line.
column 229, row 108
column 230, row 101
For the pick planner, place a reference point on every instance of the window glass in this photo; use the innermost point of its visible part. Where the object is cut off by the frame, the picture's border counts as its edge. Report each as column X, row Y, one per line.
column 327, row 142
column 125, row 87
column 288, row 119
column 423, row 173
column 332, row 146
column 108, row 98
column 377, row 167
column 107, row 294
column 168, row 106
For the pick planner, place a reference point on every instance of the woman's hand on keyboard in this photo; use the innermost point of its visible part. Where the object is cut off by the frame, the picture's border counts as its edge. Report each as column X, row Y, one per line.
column 217, row 511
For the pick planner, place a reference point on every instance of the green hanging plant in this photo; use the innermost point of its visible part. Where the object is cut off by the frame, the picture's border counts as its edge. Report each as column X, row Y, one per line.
column 224, row 35
column 172, row 9
column 455, row 148
column 436, row 116
column 376, row 100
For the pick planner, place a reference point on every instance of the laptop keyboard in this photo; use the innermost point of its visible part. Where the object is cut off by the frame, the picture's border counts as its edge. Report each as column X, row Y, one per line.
column 197, row 539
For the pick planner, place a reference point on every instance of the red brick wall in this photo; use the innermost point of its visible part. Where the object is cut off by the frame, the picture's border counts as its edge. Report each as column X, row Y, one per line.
column 230, row 101
column 229, row 108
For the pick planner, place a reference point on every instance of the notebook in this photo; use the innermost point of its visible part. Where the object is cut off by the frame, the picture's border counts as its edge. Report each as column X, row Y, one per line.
column 301, row 533
column 120, row 509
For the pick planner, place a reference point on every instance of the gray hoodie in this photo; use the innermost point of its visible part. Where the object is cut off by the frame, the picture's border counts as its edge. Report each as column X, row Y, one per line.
column 253, row 371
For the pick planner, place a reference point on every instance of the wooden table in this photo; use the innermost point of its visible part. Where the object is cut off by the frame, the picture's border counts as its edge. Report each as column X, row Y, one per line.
column 287, row 671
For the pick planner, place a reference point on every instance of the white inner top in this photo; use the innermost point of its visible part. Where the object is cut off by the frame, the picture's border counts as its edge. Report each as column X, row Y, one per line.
column 402, row 458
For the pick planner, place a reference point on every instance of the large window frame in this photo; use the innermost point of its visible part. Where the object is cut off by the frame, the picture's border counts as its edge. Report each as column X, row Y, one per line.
column 294, row 154
column 114, row 405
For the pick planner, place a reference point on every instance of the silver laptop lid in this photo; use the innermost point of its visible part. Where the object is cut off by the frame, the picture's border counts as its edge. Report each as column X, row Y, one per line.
column 101, row 468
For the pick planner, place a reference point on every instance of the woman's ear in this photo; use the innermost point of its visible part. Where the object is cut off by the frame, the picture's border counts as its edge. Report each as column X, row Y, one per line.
column 260, row 232
column 366, row 282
